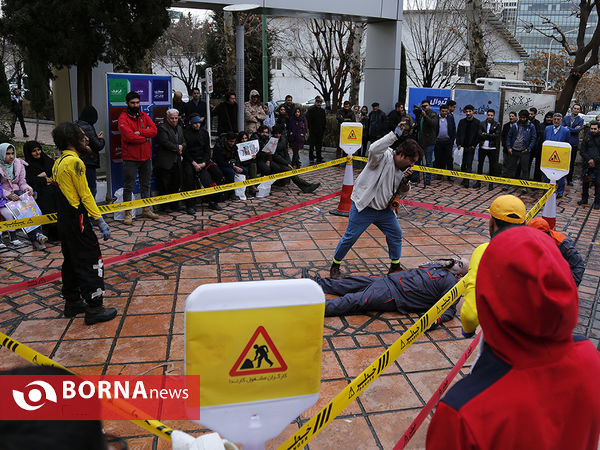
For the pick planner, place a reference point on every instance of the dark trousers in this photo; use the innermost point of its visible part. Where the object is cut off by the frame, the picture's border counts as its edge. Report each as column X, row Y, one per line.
column 18, row 116
column 514, row 160
column 263, row 167
column 168, row 180
column 443, row 155
column 209, row 176
column 90, row 176
column 130, row 170
column 315, row 143
column 585, row 189
column 491, row 155
column 467, row 159
column 572, row 168
column 297, row 180
column 357, row 295
column 537, row 172
column 229, row 173
column 82, row 270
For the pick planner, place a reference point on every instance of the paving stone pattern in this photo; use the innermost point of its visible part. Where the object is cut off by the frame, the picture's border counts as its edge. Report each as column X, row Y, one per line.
column 149, row 293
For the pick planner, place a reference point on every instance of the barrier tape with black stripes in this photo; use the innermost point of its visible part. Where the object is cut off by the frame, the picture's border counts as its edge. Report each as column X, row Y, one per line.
column 154, row 426
column 330, row 411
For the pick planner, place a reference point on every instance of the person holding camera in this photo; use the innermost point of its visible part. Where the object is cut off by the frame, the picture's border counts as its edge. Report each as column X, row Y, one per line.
column 383, row 178
column 427, row 128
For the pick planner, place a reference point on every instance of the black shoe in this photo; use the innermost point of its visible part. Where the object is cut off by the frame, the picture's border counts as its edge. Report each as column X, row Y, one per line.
column 477, row 185
column 334, row 271
column 310, row 188
column 505, row 188
column 582, row 202
column 427, row 183
column 524, row 190
column 25, row 135
column 450, row 180
column 395, row 267
column 214, row 206
column 491, row 187
column 465, row 183
column 311, row 159
column 596, row 205
column 438, row 177
column 97, row 314
column 320, row 160
column 190, row 210
column 74, row 308
column 559, row 195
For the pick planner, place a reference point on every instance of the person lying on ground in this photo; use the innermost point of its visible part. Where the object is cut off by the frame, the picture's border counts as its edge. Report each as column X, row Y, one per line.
column 407, row 291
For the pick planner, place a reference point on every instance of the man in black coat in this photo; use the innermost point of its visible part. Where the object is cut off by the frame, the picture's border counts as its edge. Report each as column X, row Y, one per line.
column 16, row 107
column 195, row 106
column 537, row 150
column 87, row 119
column 489, row 140
column 315, row 116
column 226, row 113
column 590, row 153
column 467, row 138
column 167, row 161
column 198, row 165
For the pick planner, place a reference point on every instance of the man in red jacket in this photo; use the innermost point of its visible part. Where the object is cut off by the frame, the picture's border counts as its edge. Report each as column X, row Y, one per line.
column 535, row 384
column 136, row 128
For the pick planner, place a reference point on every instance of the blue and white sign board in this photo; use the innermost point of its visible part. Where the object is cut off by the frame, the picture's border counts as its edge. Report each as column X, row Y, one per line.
column 481, row 100
column 436, row 97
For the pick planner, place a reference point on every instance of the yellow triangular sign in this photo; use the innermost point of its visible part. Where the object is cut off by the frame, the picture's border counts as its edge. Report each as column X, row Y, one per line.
column 554, row 157
column 352, row 135
column 256, row 356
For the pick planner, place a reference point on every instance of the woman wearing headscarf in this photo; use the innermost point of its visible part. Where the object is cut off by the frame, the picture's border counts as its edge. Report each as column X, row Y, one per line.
column 270, row 112
column 38, row 174
column 14, row 183
column 298, row 127
column 87, row 119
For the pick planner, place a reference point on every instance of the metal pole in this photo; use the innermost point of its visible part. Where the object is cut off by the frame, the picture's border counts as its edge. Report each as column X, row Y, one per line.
column 208, row 115
column 239, row 59
column 265, row 61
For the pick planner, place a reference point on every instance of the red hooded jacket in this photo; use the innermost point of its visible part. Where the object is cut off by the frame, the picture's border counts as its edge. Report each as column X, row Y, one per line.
column 534, row 385
column 136, row 147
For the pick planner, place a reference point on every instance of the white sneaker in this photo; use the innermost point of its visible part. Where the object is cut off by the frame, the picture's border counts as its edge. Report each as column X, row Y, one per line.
column 41, row 238
column 2, row 245
column 16, row 242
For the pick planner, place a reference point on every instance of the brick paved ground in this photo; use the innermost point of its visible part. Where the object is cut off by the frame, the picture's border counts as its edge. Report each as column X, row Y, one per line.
column 149, row 293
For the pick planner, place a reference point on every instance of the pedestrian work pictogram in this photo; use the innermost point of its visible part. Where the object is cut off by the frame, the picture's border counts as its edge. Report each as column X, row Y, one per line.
column 352, row 135
column 259, row 356
column 554, row 157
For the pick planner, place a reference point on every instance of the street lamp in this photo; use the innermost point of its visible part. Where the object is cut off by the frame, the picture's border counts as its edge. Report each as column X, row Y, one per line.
column 550, row 51
column 240, row 19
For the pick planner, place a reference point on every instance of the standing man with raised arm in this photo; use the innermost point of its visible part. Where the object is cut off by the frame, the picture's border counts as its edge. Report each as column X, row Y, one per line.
column 82, row 270
column 383, row 178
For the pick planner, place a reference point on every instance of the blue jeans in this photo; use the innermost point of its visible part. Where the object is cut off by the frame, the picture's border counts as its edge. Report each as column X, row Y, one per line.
column 358, row 222
column 428, row 159
column 560, row 184
column 90, row 176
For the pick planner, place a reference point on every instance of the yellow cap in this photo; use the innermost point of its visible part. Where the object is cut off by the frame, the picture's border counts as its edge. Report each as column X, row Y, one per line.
column 508, row 208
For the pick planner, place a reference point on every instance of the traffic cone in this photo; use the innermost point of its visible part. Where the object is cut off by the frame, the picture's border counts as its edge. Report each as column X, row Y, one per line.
column 343, row 208
column 549, row 211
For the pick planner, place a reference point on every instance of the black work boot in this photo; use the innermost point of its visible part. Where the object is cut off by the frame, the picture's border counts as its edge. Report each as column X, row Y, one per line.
column 334, row 271
column 74, row 308
column 97, row 314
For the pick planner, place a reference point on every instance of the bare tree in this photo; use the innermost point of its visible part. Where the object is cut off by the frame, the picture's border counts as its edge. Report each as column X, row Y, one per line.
column 321, row 53
column 180, row 50
column 436, row 34
column 475, row 42
column 357, row 62
column 585, row 54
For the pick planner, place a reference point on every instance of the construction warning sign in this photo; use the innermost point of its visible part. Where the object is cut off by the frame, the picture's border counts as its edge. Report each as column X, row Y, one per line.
column 255, row 354
column 351, row 134
column 556, row 159
column 259, row 356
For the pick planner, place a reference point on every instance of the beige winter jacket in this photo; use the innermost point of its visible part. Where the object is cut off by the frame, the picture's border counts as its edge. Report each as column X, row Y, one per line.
column 253, row 114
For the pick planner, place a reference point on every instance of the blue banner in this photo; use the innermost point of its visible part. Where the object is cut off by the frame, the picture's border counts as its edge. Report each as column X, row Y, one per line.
column 436, row 98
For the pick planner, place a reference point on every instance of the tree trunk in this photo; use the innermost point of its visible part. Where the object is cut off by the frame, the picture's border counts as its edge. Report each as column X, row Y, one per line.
column 477, row 55
column 566, row 94
column 356, row 62
column 84, row 86
column 403, row 76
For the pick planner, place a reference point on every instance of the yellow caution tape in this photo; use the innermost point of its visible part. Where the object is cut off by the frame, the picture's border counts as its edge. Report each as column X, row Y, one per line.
column 330, row 411
column 474, row 176
column 154, row 426
column 540, row 203
column 161, row 199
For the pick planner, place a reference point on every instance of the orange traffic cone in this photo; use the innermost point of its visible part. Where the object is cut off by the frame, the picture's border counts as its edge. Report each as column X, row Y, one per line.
column 343, row 208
